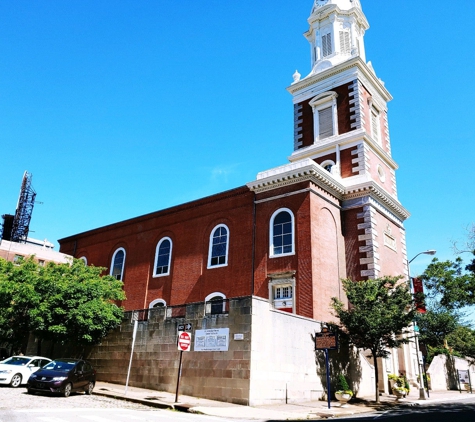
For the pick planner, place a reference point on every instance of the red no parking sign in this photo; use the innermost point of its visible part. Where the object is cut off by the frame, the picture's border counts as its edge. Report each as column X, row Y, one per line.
column 184, row 341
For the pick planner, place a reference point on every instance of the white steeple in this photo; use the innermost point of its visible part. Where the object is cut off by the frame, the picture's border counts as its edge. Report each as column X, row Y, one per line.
column 336, row 33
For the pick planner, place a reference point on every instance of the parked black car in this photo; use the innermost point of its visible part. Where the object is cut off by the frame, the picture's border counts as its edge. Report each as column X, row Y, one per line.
column 62, row 376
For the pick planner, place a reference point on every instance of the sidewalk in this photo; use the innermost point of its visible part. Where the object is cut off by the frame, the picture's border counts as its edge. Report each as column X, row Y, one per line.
column 307, row 410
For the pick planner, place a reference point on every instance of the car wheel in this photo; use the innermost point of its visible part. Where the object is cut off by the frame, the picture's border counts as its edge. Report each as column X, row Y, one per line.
column 29, row 391
column 89, row 388
column 16, row 381
column 67, row 390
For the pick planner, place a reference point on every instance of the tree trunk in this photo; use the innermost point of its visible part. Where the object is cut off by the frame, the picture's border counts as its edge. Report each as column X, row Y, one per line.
column 376, row 376
column 38, row 346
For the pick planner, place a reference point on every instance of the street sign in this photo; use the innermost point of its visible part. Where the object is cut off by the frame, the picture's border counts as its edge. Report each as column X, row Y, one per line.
column 185, row 327
column 326, row 341
column 184, row 341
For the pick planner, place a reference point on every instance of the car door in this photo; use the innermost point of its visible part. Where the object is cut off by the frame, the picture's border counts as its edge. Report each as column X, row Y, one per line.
column 79, row 378
column 33, row 366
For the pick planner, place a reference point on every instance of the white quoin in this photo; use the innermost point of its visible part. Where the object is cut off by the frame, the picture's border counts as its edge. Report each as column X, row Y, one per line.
column 336, row 32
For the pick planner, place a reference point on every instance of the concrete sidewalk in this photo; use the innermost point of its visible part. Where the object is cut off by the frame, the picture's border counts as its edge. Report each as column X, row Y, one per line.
column 307, row 410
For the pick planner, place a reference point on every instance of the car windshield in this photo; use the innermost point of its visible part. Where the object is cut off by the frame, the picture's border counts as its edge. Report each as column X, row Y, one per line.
column 60, row 365
column 16, row 360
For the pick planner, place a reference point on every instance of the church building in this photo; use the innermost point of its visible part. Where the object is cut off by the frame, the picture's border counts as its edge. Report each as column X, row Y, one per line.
column 331, row 211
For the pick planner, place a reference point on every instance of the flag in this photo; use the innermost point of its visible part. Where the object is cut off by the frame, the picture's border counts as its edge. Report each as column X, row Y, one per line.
column 418, row 288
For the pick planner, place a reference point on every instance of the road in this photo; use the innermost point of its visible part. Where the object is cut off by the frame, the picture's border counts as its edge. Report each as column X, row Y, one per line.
column 459, row 411
column 18, row 406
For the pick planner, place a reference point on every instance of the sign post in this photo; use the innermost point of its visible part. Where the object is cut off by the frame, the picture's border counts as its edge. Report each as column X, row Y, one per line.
column 134, row 334
column 184, row 345
column 326, row 341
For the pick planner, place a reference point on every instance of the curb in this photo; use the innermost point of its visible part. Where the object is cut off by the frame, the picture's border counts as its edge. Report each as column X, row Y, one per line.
column 157, row 404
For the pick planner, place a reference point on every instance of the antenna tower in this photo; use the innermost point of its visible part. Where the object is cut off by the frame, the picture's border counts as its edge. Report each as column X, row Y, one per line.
column 24, row 209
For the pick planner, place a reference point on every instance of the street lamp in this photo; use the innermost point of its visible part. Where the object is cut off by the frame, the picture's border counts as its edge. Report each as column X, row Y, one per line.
column 422, row 395
column 428, row 252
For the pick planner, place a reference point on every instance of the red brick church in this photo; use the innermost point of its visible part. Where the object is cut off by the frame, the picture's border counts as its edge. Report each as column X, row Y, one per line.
column 330, row 212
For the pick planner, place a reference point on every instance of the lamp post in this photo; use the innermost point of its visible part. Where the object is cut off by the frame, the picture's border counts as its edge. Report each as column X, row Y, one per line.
column 422, row 395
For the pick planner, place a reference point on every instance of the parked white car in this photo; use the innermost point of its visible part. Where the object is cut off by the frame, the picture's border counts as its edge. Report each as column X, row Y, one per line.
column 17, row 369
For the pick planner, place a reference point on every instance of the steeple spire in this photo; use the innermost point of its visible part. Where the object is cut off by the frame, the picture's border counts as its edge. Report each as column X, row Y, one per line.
column 336, row 32
column 342, row 4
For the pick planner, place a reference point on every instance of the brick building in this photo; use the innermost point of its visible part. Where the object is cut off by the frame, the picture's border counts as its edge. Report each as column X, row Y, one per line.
column 294, row 232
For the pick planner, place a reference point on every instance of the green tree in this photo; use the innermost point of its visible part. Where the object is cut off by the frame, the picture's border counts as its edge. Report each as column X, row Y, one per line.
column 452, row 284
column 378, row 317
column 436, row 324
column 462, row 340
column 18, row 298
column 66, row 303
column 80, row 302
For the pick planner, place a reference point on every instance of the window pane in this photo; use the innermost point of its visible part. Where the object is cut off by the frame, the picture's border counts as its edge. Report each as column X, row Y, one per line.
column 219, row 246
column 282, row 233
column 163, row 257
column 118, row 265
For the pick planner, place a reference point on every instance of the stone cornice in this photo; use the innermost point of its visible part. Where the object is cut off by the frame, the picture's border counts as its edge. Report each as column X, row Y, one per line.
column 289, row 174
column 308, row 170
column 344, row 140
column 373, row 190
column 354, row 62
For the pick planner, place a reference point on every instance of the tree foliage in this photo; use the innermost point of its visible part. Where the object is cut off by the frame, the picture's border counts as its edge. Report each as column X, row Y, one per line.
column 380, row 313
column 57, row 302
column 436, row 324
column 450, row 282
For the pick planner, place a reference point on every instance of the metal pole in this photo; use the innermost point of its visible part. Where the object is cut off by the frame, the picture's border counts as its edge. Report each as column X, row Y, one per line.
column 131, row 355
column 327, row 361
column 422, row 394
column 178, row 377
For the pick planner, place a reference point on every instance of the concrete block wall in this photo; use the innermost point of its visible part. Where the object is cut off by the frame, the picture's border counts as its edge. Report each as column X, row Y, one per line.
column 212, row 375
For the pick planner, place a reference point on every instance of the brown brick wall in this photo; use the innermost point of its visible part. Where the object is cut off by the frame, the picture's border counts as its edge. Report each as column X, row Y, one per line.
column 306, row 128
column 346, row 162
column 352, row 244
column 189, row 226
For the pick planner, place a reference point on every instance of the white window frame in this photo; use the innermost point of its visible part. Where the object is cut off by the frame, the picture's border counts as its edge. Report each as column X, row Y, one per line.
column 345, row 41
column 155, row 302
column 376, row 124
column 321, row 102
column 123, row 263
column 208, row 302
column 329, row 163
column 210, row 248
column 282, row 282
column 271, row 233
column 156, row 257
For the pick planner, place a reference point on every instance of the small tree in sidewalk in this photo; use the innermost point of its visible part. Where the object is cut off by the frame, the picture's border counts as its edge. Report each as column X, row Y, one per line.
column 378, row 317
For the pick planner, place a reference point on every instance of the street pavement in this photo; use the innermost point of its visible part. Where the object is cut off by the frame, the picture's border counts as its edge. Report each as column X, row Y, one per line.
column 293, row 411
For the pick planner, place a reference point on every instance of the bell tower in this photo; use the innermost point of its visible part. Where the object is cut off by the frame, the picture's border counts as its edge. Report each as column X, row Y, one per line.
column 341, row 123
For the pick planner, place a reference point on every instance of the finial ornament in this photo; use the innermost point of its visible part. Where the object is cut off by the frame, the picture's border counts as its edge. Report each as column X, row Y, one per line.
column 296, row 76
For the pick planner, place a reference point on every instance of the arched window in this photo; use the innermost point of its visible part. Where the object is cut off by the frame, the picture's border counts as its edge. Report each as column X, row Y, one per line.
column 157, row 303
column 163, row 256
column 218, row 247
column 118, row 263
column 328, row 165
column 282, row 233
column 215, row 303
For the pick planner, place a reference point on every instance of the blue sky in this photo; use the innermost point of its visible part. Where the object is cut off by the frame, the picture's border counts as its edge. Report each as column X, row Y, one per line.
column 121, row 108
